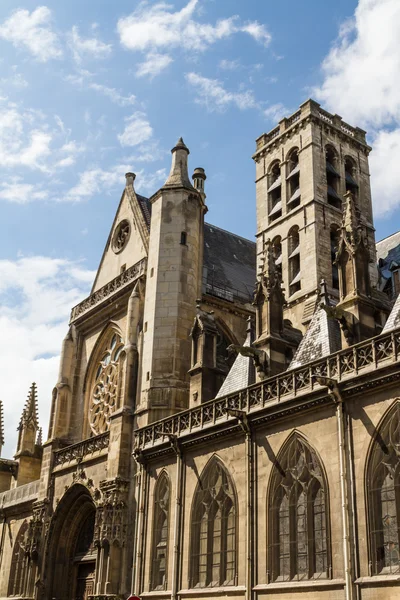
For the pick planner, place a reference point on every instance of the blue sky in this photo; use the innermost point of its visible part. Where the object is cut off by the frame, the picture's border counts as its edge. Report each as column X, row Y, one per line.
column 90, row 90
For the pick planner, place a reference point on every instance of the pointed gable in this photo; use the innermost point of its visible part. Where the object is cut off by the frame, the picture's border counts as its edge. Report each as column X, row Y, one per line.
column 128, row 240
column 321, row 338
column 242, row 372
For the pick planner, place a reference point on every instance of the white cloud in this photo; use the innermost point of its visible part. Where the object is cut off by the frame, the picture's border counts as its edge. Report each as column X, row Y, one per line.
column 153, row 65
column 87, row 47
column 26, row 140
column 137, row 130
column 33, row 32
column 18, row 192
column 149, row 183
column 361, row 72
column 157, row 27
column 229, row 65
column 82, row 80
column 361, row 83
column 96, row 180
column 22, row 143
column 36, row 295
column 214, row 96
column 276, row 112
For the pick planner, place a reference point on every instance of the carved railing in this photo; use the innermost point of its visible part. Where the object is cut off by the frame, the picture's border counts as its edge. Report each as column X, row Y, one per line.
column 342, row 365
column 325, row 116
column 20, row 494
column 109, row 289
column 294, row 118
column 81, row 449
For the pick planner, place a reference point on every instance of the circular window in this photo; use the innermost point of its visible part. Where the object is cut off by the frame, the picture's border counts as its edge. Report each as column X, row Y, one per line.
column 121, row 236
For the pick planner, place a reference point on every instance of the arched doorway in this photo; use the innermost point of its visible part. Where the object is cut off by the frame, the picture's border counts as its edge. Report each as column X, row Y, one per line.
column 71, row 556
column 84, row 560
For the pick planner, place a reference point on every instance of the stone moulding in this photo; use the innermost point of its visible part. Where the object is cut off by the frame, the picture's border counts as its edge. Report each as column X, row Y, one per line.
column 81, row 450
column 108, row 290
column 378, row 352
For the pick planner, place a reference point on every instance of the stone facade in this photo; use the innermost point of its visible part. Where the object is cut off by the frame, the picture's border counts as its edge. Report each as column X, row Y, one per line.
column 159, row 476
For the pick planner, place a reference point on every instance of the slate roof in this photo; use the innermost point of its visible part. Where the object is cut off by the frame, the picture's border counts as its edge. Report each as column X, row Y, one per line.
column 394, row 317
column 388, row 252
column 229, row 261
column 145, row 206
column 229, row 265
column 241, row 374
column 321, row 339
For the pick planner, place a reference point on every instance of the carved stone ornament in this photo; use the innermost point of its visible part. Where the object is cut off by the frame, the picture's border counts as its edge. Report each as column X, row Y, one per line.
column 31, row 542
column 111, row 526
column 121, row 236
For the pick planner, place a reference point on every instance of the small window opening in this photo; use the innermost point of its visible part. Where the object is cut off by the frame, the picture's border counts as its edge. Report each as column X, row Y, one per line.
column 350, row 176
column 332, row 179
column 334, row 239
column 294, row 260
column 274, row 193
column 145, row 327
column 183, row 238
column 293, row 181
column 151, row 272
column 148, row 376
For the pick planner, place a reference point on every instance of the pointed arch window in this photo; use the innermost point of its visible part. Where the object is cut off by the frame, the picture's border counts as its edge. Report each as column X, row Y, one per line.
column 298, row 521
column 159, row 562
column 293, row 180
column 383, row 483
column 214, row 530
column 104, row 390
column 21, row 573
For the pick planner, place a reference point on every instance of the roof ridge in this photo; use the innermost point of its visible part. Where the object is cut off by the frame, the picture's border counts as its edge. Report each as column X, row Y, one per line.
column 387, row 237
column 230, row 232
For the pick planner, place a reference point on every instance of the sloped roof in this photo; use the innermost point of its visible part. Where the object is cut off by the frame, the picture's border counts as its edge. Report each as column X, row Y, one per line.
column 321, row 339
column 229, row 261
column 145, row 206
column 229, row 264
column 394, row 317
column 241, row 374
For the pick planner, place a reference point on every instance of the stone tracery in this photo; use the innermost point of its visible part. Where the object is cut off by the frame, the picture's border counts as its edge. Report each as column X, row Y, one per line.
column 104, row 393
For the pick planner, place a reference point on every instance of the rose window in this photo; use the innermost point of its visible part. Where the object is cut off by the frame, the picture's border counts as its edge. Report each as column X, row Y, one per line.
column 104, row 394
column 121, row 236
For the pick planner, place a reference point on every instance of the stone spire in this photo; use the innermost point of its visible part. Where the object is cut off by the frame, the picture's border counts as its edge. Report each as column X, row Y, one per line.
column 30, row 414
column 269, row 298
column 29, row 423
column 179, row 176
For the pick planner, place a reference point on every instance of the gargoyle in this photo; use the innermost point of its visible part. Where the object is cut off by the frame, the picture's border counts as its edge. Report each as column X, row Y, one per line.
column 259, row 357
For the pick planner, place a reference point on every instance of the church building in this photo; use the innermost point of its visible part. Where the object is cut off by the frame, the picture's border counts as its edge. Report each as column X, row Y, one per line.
column 226, row 419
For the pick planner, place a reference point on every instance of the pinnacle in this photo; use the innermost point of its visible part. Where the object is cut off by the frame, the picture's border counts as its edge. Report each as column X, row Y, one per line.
column 30, row 412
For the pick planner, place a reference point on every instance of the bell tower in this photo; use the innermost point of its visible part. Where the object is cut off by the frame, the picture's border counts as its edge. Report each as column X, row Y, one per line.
column 304, row 168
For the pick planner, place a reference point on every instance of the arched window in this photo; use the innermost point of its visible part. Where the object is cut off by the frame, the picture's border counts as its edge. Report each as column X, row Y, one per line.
column 350, row 176
column 21, row 573
column 334, row 241
column 332, row 178
column 213, row 549
column 298, row 523
column 293, row 180
column 294, row 260
column 160, row 533
column 104, row 389
column 274, row 192
column 383, row 483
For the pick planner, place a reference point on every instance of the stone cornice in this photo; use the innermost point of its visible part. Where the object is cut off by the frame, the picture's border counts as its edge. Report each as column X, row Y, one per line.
column 109, row 290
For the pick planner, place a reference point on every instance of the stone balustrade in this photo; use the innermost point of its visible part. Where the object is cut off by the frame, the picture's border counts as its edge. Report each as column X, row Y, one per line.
column 81, row 450
column 345, row 364
column 19, row 495
column 108, row 290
